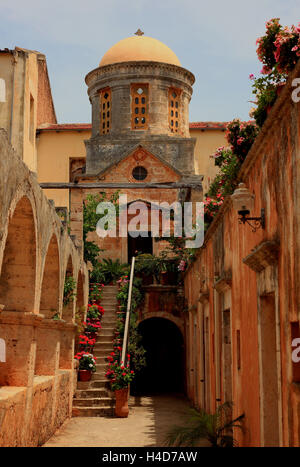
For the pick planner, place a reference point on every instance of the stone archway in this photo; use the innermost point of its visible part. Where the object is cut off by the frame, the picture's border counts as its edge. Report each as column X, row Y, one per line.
column 49, row 303
column 18, row 273
column 164, row 344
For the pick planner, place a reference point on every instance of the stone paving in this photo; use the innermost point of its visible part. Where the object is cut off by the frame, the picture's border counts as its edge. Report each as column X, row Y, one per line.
column 149, row 420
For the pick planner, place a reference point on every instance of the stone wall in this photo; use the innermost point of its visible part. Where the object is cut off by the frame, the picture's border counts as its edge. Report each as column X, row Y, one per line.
column 243, row 293
column 37, row 376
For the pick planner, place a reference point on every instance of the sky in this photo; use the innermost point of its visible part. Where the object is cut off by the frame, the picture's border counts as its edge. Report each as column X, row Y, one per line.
column 214, row 39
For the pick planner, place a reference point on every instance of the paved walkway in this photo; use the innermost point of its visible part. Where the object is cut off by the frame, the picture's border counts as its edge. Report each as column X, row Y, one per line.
column 149, row 420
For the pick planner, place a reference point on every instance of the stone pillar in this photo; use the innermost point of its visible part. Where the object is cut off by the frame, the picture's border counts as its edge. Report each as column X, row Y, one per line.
column 185, row 114
column 159, row 108
column 18, row 330
column 48, row 346
column 67, row 346
column 95, row 114
column 120, row 108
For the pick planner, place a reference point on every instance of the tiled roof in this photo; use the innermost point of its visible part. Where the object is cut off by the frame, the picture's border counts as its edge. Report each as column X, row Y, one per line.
column 88, row 126
column 65, row 126
column 208, row 125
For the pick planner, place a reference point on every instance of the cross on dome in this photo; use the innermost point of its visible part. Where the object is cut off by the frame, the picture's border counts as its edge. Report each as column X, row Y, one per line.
column 139, row 32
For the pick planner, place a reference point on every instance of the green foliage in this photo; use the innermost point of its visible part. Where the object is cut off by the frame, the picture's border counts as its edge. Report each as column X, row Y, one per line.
column 108, row 271
column 216, row 428
column 265, row 90
column 69, row 290
column 146, row 263
column 91, row 252
column 225, row 181
column 120, row 376
column 240, row 136
column 86, row 361
column 90, row 219
column 135, row 348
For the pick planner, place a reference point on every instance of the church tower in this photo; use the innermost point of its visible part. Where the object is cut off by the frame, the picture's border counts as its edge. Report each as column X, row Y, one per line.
column 140, row 139
column 140, row 95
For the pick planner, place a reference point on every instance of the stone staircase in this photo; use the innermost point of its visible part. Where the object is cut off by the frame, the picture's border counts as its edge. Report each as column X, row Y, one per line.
column 93, row 398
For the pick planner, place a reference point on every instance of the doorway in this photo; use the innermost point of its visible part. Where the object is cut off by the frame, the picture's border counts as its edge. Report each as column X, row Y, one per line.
column 140, row 244
column 270, row 396
column 164, row 371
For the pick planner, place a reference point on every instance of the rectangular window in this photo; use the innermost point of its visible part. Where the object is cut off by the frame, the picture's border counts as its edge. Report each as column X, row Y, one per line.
column 174, row 110
column 105, row 111
column 139, row 106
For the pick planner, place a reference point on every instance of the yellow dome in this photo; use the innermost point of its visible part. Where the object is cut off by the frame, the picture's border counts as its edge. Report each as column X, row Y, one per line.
column 139, row 48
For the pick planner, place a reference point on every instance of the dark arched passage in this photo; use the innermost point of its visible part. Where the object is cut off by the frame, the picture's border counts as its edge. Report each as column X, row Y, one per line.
column 164, row 372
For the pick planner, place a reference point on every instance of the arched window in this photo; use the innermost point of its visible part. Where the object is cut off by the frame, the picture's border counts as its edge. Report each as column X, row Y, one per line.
column 139, row 106
column 105, row 111
column 174, row 110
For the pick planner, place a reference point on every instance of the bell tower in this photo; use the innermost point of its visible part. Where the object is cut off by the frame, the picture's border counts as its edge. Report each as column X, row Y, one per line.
column 140, row 95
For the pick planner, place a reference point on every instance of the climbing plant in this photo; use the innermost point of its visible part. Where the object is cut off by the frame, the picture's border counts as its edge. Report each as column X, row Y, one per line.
column 69, row 290
column 90, row 219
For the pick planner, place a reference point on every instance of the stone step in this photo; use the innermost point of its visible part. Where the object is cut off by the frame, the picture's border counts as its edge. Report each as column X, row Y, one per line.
column 94, row 402
column 99, row 375
column 110, row 313
column 103, row 353
column 100, row 383
column 107, row 411
column 103, row 344
column 108, row 341
column 101, row 366
column 89, row 393
column 106, row 331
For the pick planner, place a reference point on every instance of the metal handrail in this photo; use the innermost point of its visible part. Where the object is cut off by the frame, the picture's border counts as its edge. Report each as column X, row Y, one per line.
column 127, row 321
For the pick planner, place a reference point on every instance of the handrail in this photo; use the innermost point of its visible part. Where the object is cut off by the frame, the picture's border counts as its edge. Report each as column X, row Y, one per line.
column 127, row 321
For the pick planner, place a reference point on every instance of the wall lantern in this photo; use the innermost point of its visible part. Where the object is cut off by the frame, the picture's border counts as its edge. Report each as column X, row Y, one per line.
column 243, row 202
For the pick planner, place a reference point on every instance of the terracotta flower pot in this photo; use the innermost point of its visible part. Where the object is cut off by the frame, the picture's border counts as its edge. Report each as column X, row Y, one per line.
column 121, row 409
column 84, row 375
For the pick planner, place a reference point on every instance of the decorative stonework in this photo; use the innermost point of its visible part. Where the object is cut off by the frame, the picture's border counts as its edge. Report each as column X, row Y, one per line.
column 262, row 256
column 223, row 282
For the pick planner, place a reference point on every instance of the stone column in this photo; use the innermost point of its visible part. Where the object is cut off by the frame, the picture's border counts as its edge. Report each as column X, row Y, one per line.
column 67, row 346
column 18, row 330
column 95, row 114
column 48, row 344
column 120, row 108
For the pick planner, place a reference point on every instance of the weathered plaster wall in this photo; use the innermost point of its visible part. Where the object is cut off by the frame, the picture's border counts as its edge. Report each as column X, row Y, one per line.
column 252, row 279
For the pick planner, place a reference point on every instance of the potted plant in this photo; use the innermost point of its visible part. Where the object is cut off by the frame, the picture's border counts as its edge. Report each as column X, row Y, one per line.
column 92, row 328
column 108, row 271
column 145, row 267
column 120, row 377
column 87, row 365
column 168, row 271
column 86, row 343
column 96, row 290
column 94, row 312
